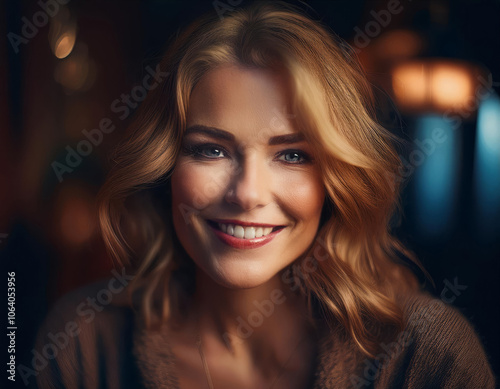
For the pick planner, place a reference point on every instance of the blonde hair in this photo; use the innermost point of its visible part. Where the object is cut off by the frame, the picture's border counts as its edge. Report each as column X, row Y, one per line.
column 357, row 284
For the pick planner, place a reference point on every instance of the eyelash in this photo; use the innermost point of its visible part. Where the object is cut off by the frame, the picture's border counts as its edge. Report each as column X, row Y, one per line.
column 306, row 158
column 197, row 152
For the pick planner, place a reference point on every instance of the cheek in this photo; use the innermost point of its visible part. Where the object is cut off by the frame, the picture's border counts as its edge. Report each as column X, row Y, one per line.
column 197, row 186
column 303, row 197
column 194, row 187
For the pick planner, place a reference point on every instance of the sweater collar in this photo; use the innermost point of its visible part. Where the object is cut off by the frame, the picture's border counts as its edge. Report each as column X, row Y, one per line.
column 338, row 360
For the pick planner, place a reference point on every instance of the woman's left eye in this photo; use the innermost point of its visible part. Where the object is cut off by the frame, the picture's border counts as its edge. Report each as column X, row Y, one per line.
column 294, row 157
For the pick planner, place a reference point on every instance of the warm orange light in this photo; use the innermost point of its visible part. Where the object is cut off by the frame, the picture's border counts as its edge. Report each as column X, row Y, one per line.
column 62, row 33
column 450, row 86
column 409, row 83
column 72, row 73
column 77, row 72
column 64, row 44
column 395, row 45
column 76, row 223
column 433, row 85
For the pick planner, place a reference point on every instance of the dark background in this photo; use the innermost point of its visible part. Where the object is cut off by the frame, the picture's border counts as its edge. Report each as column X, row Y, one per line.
column 48, row 233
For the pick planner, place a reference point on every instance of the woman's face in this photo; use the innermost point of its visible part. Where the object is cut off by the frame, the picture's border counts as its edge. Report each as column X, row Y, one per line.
column 246, row 192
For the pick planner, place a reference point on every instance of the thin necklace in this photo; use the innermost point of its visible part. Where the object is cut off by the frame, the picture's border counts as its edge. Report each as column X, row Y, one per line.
column 207, row 370
column 204, row 361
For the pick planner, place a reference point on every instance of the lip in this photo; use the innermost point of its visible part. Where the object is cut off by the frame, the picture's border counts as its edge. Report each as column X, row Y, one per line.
column 243, row 243
column 243, row 223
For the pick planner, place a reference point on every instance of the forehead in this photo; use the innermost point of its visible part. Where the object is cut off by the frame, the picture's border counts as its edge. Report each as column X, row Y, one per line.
column 239, row 99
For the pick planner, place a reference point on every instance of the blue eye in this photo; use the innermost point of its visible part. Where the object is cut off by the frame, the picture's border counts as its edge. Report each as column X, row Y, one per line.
column 207, row 151
column 294, row 157
column 211, row 152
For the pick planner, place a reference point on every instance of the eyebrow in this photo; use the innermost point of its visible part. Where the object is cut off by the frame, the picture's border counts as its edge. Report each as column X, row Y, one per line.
column 225, row 135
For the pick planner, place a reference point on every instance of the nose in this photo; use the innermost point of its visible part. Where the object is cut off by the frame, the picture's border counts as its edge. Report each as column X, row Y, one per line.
column 250, row 187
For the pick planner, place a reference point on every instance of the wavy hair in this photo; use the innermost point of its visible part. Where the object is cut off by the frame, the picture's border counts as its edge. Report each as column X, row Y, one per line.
column 358, row 282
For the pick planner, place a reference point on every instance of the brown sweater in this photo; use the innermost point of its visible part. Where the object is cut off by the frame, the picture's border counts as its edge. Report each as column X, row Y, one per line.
column 100, row 343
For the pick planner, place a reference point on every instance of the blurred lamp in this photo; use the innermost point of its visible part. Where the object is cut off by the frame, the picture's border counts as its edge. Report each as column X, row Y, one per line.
column 487, row 167
column 435, row 86
column 437, row 174
column 64, row 44
column 62, row 33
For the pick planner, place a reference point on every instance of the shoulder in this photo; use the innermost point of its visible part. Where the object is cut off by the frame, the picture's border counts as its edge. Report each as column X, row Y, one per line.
column 93, row 307
column 438, row 348
column 86, row 336
column 433, row 323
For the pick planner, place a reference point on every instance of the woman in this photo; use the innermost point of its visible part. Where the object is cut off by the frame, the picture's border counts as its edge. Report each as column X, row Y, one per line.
column 252, row 197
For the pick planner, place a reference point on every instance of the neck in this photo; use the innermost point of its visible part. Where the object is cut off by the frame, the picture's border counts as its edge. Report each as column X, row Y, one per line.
column 269, row 317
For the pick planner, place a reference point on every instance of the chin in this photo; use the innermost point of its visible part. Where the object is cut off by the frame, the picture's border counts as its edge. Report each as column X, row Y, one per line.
column 239, row 275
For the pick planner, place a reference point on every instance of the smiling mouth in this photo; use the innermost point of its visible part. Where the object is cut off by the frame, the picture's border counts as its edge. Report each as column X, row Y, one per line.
column 247, row 231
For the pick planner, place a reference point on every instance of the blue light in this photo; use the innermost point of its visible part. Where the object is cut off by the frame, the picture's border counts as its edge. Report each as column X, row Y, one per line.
column 487, row 164
column 438, row 146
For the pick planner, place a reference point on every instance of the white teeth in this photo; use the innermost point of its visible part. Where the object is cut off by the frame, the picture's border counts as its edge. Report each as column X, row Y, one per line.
column 242, row 232
column 239, row 232
column 249, row 233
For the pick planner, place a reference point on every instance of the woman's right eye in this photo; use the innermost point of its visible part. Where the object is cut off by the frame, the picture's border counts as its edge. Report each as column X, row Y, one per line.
column 212, row 152
column 206, row 151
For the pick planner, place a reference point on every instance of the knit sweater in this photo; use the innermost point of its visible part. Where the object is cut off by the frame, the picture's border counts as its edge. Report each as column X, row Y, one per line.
column 93, row 339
